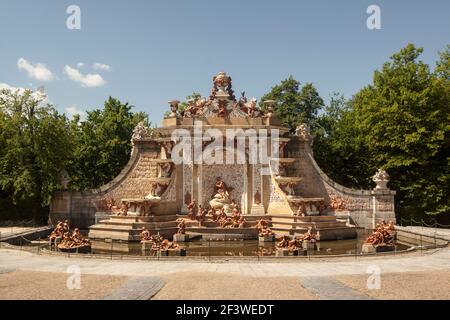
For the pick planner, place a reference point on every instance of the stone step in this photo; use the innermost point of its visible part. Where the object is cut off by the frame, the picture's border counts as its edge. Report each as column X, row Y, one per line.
column 302, row 219
column 223, row 233
column 152, row 225
column 129, row 235
column 325, row 234
column 153, row 218
column 329, row 224
column 105, row 227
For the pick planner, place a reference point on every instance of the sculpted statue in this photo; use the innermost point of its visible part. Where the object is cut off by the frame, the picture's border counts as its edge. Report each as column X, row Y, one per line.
column 168, row 146
column 140, row 132
column 181, row 226
column 200, row 105
column 242, row 102
column 123, row 209
column 201, row 213
column 301, row 212
column 222, row 111
column 288, row 188
column 336, row 203
column 321, row 207
column 173, row 108
column 165, row 169
column 270, row 107
column 252, row 109
column 211, row 215
column 235, row 217
column 73, row 240
column 144, row 235
column 191, row 109
column 381, row 178
column 166, row 244
column 384, row 234
column 309, row 235
column 304, row 132
column 192, row 208
column 263, row 228
column 157, row 242
column 58, row 232
column 242, row 222
column 156, row 190
column 222, row 197
column 283, row 242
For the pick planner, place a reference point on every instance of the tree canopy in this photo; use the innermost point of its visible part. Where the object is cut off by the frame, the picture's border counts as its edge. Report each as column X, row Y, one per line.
column 102, row 144
column 399, row 122
column 295, row 103
column 34, row 146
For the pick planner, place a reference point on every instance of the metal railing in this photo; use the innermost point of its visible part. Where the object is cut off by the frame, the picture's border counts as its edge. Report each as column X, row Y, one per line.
column 428, row 222
column 208, row 249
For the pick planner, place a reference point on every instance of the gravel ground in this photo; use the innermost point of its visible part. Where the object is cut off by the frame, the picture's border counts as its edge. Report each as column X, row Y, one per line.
column 215, row 286
column 404, row 286
column 30, row 285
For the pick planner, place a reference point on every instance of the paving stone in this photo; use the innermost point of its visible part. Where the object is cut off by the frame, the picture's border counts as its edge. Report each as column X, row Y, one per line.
column 6, row 270
column 329, row 289
column 137, row 288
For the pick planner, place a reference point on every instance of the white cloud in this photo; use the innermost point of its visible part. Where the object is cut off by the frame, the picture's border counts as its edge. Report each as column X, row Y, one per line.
column 73, row 110
column 36, row 71
column 88, row 80
column 80, row 64
column 101, row 66
column 38, row 94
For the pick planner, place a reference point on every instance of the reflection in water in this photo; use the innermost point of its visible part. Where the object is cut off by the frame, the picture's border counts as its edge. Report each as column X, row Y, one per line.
column 238, row 248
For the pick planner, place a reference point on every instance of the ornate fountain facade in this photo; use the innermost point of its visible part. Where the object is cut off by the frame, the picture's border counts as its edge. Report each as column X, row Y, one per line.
column 155, row 188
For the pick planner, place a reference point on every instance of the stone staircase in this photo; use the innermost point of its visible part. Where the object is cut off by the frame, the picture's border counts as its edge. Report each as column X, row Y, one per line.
column 210, row 231
column 128, row 228
column 327, row 226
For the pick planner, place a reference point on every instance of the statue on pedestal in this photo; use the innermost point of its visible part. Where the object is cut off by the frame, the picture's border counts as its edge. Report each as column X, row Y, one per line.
column 381, row 178
column 383, row 235
column 222, row 197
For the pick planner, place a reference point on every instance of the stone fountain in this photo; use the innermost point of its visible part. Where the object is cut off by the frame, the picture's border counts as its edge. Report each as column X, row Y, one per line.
column 154, row 191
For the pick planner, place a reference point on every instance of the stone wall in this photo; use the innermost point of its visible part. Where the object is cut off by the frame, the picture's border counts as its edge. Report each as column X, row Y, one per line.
column 134, row 181
column 365, row 207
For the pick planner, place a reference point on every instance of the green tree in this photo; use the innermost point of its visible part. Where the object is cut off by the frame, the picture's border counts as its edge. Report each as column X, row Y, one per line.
column 404, row 119
column 338, row 148
column 295, row 104
column 34, row 144
column 103, row 144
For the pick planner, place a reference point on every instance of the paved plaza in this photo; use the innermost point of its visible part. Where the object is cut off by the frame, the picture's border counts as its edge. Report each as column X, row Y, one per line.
column 411, row 276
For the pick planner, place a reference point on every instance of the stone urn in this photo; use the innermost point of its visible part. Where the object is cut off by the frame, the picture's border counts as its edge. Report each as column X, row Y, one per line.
column 381, row 178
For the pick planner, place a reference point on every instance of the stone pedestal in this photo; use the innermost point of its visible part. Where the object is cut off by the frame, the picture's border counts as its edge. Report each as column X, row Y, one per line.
column 266, row 238
column 54, row 243
column 146, row 245
column 370, row 248
column 309, row 245
column 282, row 253
column 180, row 237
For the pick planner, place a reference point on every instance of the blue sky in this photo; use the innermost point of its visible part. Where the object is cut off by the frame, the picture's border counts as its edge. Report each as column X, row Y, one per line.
column 162, row 50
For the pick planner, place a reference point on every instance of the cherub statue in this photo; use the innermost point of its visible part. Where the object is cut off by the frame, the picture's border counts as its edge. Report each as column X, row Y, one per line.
column 252, row 109
column 200, row 105
column 181, row 226
column 192, row 208
column 191, row 109
column 123, row 209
